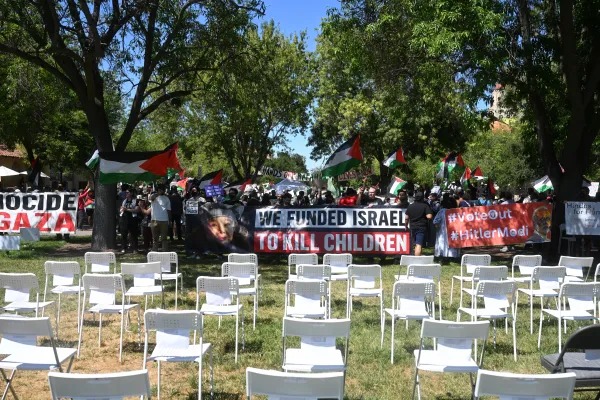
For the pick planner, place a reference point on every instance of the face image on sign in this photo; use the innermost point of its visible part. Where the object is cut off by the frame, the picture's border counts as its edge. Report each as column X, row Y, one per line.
column 542, row 220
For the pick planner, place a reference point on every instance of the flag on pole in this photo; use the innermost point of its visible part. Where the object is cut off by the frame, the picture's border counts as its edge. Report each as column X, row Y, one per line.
column 346, row 157
column 36, row 170
column 491, row 187
column 543, row 184
column 478, row 173
column 395, row 159
column 212, row 178
column 240, row 185
column 94, row 160
column 449, row 163
column 395, row 186
column 464, row 179
column 131, row 167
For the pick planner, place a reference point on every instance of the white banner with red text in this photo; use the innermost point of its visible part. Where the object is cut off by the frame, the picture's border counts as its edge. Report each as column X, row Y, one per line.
column 49, row 212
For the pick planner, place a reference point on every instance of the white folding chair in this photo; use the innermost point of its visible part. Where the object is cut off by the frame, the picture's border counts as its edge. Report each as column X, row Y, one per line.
column 310, row 298
column 245, row 273
column 406, row 260
column 100, row 386
column 362, row 282
column 100, row 291
column 168, row 260
column 317, row 352
column 277, row 385
column 548, row 280
column 339, row 265
column 218, row 293
column 19, row 342
column 427, row 273
column 509, row 386
column 294, row 259
column 63, row 274
column 525, row 264
column 498, row 296
column 468, row 263
column 144, row 281
column 495, row 273
column 409, row 302
column 316, row 273
column 17, row 293
column 575, row 266
column 173, row 341
column 454, row 349
column 248, row 258
column 103, row 262
column 580, row 297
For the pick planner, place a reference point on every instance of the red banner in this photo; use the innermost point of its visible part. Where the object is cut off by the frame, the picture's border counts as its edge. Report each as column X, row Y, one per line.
column 499, row 225
column 332, row 242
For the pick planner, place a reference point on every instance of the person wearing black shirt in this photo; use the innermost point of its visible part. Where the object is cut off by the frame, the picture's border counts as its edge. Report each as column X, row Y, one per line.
column 176, row 212
column 370, row 199
column 129, row 221
column 418, row 215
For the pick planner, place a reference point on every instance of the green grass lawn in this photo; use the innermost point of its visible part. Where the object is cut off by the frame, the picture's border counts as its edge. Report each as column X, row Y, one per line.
column 370, row 373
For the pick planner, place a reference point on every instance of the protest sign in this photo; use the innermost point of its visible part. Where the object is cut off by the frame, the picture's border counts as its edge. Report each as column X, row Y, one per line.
column 353, row 174
column 294, row 176
column 214, row 190
column 582, row 218
column 49, row 212
column 502, row 224
column 359, row 230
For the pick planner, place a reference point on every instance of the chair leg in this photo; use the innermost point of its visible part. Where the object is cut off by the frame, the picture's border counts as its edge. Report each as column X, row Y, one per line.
column 8, row 384
column 451, row 290
column 382, row 329
column 560, row 335
column 416, row 383
column 80, row 335
column 200, row 378
column 393, row 330
column 540, row 330
column 381, row 320
column 237, row 320
column 212, row 383
column 514, row 329
column 121, row 339
column 255, row 311
column 243, row 332
column 461, row 293
column 158, row 382
column 176, row 280
column 100, row 331
column 472, row 386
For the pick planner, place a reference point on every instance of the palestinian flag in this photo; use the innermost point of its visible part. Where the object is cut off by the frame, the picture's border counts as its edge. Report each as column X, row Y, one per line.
column 395, row 159
column 491, row 188
column 346, row 157
column 239, row 185
column 395, row 186
column 464, row 179
column 130, row 167
column 36, row 170
column 478, row 173
column 212, row 178
column 183, row 183
column 543, row 184
column 449, row 163
column 94, row 160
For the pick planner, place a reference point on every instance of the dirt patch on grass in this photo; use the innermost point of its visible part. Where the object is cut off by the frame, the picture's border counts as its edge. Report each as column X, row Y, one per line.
column 72, row 250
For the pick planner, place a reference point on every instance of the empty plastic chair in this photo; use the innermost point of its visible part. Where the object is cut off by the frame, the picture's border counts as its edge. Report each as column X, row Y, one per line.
column 103, row 262
column 277, row 385
column 18, row 288
column 509, row 386
column 61, row 275
column 99, row 386
column 407, row 260
column 144, row 281
column 296, row 259
column 245, row 273
column 525, row 264
column 575, row 267
column 310, row 299
column 168, row 262
column 468, row 263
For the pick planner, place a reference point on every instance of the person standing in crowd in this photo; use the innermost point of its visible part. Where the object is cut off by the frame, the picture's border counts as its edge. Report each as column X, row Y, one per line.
column 145, row 222
column 531, row 197
column 417, row 215
column 349, row 198
column 402, row 199
column 176, row 213
column 370, row 199
column 232, row 198
column 319, row 199
column 442, row 247
column 161, row 215
column 148, row 193
column 90, row 205
column 253, row 199
column 434, row 203
column 461, row 200
column 128, row 221
column 301, row 200
column 81, row 205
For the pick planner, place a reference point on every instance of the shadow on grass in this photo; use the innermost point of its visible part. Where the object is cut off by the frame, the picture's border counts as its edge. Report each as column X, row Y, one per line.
column 252, row 346
column 218, row 395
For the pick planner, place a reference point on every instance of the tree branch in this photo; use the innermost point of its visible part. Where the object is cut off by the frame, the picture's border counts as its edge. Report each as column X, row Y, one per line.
column 569, row 57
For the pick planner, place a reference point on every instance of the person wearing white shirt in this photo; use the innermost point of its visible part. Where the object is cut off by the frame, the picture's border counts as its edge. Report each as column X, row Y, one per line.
column 161, row 217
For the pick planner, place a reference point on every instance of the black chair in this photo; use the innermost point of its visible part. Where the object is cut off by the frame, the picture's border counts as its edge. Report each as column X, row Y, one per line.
column 587, row 371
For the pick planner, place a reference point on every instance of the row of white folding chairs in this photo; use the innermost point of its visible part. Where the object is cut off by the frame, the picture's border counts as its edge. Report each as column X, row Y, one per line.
column 323, row 385
column 455, row 351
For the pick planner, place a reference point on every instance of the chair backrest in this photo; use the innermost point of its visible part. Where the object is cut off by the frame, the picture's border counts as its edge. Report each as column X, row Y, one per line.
column 411, row 296
column 526, row 264
column 295, row 259
column 320, row 272
column 307, row 294
column 19, row 334
column 548, row 278
column 364, row 276
column 285, row 385
column 584, row 339
column 496, row 293
column 469, row 262
column 495, row 273
column 523, row 386
column 172, row 328
column 245, row 272
column 405, row 260
column 99, row 386
column 166, row 259
column 218, row 290
column 63, row 272
column 581, row 295
column 424, row 271
column 100, row 262
column 341, row 260
column 243, row 258
column 575, row 265
column 143, row 273
column 18, row 286
column 102, row 288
